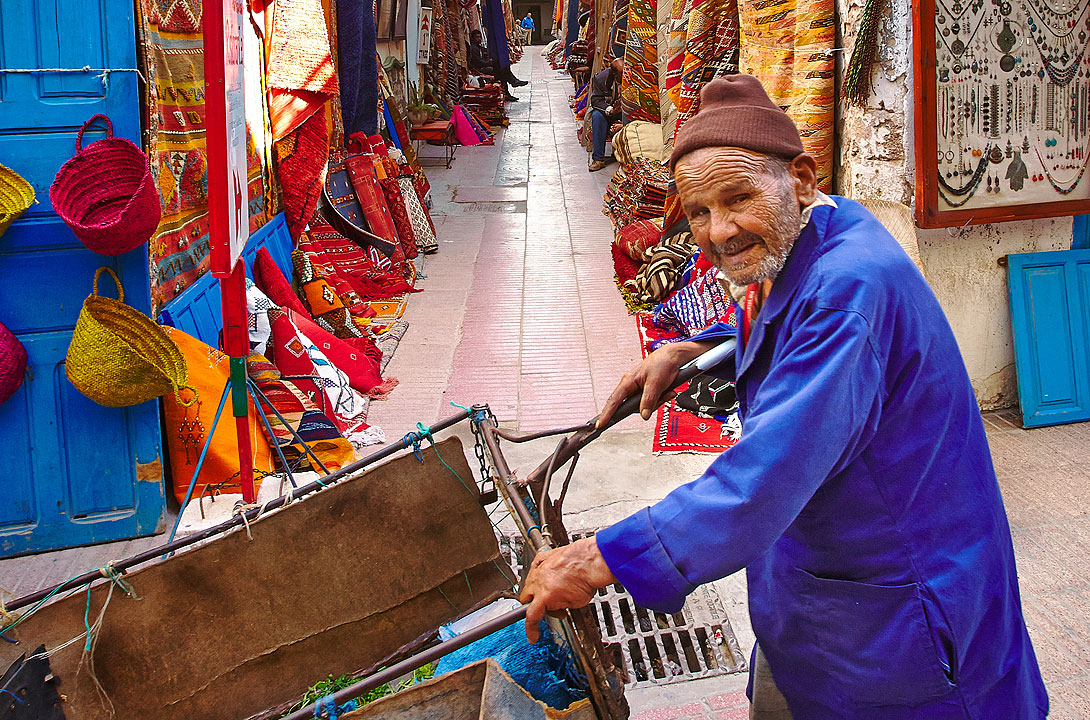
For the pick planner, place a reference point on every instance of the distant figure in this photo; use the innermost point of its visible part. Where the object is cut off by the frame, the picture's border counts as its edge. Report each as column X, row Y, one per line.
column 527, row 29
column 480, row 63
column 604, row 111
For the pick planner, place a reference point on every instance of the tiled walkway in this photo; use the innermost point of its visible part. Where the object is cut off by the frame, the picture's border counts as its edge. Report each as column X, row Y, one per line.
column 519, row 308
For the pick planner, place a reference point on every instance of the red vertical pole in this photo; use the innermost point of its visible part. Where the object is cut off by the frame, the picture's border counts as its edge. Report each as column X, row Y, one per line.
column 236, row 343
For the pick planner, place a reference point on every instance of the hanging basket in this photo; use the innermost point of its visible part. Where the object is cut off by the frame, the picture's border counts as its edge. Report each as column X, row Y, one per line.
column 106, row 193
column 12, row 363
column 16, row 195
column 119, row 357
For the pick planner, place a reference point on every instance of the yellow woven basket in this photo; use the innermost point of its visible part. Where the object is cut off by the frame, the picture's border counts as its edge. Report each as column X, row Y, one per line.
column 119, row 357
column 16, row 195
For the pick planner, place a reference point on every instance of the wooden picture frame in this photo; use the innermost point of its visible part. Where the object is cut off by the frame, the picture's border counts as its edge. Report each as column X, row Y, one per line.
column 1004, row 45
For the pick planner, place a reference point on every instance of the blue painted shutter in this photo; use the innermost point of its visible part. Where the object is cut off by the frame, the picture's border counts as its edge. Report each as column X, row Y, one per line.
column 1050, row 302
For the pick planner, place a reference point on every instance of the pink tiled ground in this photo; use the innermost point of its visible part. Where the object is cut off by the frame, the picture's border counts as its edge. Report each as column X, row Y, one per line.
column 730, row 706
column 531, row 321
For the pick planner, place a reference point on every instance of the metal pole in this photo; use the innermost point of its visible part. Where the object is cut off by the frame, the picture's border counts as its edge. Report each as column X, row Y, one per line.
column 420, row 659
column 235, row 520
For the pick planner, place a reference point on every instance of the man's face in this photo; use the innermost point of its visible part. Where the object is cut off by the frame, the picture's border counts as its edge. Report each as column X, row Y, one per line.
column 744, row 215
column 475, row 37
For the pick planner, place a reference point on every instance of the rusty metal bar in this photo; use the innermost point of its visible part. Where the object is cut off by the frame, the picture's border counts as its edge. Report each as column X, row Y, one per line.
column 507, row 487
column 517, row 437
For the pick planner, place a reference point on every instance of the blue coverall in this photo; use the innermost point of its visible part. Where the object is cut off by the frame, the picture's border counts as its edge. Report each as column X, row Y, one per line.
column 861, row 499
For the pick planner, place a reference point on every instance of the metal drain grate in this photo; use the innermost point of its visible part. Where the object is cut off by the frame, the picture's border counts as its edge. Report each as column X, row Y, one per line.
column 655, row 648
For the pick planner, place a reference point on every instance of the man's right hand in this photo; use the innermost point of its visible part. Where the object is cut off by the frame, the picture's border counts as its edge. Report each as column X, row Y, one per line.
column 655, row 375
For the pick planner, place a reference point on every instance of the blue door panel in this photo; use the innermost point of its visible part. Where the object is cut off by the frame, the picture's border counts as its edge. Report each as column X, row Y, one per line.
column 73, row 472
column 1050, row 312
column 1052, row 355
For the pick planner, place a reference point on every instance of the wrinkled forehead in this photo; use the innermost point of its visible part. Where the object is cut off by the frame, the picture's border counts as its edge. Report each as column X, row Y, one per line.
column 714, row 168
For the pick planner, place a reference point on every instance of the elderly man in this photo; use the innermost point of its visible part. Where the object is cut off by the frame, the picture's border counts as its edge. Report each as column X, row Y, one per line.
column 861, row 497
column 604, row 87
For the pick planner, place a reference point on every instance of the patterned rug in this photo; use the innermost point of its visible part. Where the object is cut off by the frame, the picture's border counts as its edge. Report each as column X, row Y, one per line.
column 173, row 47
column 788, row 45
column 678, row 430
column 640, row 80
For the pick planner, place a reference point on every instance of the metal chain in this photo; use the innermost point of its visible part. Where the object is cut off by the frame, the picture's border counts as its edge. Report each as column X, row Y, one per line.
column 479, row 414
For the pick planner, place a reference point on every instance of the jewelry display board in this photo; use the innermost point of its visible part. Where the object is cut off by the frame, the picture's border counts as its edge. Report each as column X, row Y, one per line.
column 1002, row 110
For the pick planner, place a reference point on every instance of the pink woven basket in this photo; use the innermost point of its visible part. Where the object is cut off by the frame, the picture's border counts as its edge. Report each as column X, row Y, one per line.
column 106, row 193
column 12, row 363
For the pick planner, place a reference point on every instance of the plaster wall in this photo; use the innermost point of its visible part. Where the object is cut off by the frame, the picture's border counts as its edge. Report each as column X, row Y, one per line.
column 876, row 161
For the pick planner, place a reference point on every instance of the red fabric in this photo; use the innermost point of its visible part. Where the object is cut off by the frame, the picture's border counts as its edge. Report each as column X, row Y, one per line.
column 271, row 281
column 370, row 196
column 345, row 259
column 625, row 267
column 396, row 204
column 358, row 358
column 301, row 165
column 636, row 237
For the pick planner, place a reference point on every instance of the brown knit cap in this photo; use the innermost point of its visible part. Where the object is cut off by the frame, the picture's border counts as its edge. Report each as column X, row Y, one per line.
column 735, row 111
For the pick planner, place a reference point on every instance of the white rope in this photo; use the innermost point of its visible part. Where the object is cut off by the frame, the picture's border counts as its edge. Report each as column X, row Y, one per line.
column 103, row 74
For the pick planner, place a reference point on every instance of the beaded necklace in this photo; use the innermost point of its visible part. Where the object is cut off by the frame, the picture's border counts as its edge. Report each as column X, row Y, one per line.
column 1055, row 185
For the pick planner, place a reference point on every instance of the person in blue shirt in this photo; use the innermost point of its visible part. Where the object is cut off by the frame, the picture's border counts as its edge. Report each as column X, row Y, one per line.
column 861, row 497
column 527, row 29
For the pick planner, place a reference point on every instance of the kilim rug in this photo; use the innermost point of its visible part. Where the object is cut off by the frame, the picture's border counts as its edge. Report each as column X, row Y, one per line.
column 640, row 80
column 173, row 48
column 788, row 45
column 678, row 430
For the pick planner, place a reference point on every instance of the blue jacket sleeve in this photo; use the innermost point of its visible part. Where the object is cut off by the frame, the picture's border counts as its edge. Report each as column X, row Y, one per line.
column 718, row 331
column 810, row 417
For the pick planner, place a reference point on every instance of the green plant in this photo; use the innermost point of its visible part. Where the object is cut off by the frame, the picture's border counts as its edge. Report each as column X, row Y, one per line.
column 416, row 99
column 331, row 685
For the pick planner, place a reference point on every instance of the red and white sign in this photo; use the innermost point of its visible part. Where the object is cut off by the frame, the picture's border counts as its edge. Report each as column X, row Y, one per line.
column 423, row 47
column 229, row 219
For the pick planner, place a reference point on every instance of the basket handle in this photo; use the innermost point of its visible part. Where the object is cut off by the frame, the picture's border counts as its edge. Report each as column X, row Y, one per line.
column 120, row 290
column 109, row 129
column 178, row 394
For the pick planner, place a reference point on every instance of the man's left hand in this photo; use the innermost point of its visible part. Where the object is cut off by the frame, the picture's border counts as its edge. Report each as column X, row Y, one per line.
column 562, row 578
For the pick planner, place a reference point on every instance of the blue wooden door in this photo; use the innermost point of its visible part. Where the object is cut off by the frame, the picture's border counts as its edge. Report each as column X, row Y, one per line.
column 1050, row 317
column 71, row 472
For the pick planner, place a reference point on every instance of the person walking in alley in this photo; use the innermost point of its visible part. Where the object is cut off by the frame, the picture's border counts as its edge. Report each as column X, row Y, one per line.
column 861, row 497
column 604, row 91
column 527, row 29
column 480, row 62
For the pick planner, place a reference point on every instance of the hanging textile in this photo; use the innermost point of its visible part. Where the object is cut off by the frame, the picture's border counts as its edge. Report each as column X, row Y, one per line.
column 639, row 83
column 571, row 26
column 494, row 22
column 301, row 81
column 173, row 47
column 358, row 72
column 788, row 45
column 618, row 33
column 667, row 112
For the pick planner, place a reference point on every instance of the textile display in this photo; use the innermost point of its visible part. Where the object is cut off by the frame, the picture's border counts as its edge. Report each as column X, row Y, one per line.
column 357, row 358
column 637, row 191
column 302, row 416
column 362, row 171
column 789, row 46
column 173, row 47
column 186, row 428
column 618, row 33
column 388, row 339
column 639, row 139
column 323, row 303
column 343, row 259
column 298, row 359
column 637, row 238
column 271, row 281
column 625, row 270
column 391, row 189
column 356, row 50
column 496, row 31
column 665, row 263
column 301, row 81
column 668, row 41
column 699, row 303
column 677, row 430
column 640, row 80
column 426, row 242
column 258, row 306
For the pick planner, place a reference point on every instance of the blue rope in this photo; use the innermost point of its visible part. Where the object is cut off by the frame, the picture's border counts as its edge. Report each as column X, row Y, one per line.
column 326, row 707
column 477, row 416
column 413, row 440
column 17, row 698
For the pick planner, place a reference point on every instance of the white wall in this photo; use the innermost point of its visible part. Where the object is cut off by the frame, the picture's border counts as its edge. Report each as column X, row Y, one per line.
column 876, row 161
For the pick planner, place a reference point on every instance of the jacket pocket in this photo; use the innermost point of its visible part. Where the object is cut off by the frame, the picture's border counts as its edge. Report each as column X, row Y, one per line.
column 874, row 640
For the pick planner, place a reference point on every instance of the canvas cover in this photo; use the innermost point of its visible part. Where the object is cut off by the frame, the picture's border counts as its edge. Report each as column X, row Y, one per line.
column 331, row 584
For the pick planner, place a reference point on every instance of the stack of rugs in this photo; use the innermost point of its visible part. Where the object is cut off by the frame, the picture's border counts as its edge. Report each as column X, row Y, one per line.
column 555, row 56
column 486, row 103
column 637, row 191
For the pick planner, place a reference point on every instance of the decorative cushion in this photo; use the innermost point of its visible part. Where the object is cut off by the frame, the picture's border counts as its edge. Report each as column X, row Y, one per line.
column 637, row 237
column 638, row 139
column 186, row 428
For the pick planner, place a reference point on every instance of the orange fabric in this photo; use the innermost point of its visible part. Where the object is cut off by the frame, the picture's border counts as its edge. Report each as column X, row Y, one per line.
column 187, row 428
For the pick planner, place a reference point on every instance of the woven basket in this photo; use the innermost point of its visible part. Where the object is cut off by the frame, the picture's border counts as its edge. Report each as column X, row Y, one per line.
column 16, row 195
column 119, row 357
column 106, row 194
column 12, row 363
